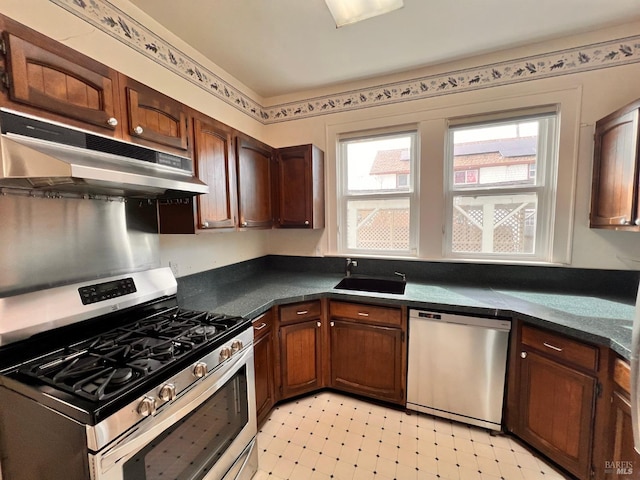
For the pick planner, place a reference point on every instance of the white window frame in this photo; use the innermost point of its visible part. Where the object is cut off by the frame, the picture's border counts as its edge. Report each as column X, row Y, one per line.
column 544, row 187
column 411, row 193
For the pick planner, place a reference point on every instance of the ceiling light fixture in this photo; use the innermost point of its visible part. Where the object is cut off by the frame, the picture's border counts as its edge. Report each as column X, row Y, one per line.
column 346, row 12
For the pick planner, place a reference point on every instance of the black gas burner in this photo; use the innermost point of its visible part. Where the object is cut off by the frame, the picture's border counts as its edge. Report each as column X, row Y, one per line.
column 106, row 365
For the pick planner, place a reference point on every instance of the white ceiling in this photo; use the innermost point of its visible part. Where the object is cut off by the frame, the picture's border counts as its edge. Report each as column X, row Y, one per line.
column 284, row 46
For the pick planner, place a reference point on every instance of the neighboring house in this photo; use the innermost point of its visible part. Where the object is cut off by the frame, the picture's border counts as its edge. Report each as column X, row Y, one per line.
column 495, row 161
column 504, row 161
column 391, row 168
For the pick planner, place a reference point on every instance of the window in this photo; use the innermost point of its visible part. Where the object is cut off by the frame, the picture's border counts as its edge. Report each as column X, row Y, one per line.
column 465, row 176
column 376, row 194
column 504, row 209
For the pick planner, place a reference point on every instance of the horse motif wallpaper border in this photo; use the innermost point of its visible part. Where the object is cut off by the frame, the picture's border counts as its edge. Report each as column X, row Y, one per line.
column 110, row 19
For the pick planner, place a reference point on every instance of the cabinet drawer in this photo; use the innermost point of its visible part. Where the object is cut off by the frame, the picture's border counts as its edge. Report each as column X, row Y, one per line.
column 366, row 313
column 262, row 325
column 300, row 311
column 561, row 347
column 622, row 375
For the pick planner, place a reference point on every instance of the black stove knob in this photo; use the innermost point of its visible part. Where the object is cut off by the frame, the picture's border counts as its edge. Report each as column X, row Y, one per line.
column 147, row 406
column 200, row 369
column 167, row 392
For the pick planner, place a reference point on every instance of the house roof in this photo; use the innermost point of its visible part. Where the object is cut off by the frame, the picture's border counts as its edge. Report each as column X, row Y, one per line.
column 469, row 154
column 507, row 147
column 391, row 162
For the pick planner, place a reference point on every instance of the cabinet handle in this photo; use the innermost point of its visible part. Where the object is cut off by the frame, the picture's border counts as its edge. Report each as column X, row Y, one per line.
column 523, row 354
column 113, row 122
column 318, row 324
column 363, row 314
column 138, row 130
column 333, row 324
column 302, row 312
column 552, row 347
column 260, row 327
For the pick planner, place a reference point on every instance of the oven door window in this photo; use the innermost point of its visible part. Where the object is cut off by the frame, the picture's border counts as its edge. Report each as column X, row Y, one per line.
column 189, row 448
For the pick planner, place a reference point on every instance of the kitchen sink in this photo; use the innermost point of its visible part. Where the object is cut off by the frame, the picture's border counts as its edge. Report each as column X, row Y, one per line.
column 365, row 283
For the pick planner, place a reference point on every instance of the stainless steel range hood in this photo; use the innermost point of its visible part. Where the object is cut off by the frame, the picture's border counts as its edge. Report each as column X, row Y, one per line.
column 42, row 155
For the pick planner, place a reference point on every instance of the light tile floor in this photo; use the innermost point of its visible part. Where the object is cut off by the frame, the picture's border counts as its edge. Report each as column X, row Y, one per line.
column 333, row 436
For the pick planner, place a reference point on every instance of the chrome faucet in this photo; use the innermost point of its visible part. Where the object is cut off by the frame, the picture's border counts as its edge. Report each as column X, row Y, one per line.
column 350, row 265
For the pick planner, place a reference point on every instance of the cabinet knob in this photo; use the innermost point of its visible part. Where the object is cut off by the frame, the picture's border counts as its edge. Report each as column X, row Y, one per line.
column 333, row 324
column 138, row 130
column 205, row 224
column 637, row 222
column 318, row 324
column 625, row 221
column 113, row 122
column 244, row 224
column 523, row 354
column 306, row 222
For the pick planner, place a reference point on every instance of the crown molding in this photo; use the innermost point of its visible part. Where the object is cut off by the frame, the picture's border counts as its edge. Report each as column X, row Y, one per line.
column 119, row 25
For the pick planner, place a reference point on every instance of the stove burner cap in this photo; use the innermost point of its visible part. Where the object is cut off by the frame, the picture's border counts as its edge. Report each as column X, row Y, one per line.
column 121, row 375
column 163, row 350
column 205, row 330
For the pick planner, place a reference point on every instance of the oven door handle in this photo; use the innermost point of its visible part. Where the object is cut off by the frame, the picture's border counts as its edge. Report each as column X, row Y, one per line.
column 144, row 433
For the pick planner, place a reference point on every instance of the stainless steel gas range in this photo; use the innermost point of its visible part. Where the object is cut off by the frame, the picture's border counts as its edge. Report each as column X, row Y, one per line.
column 138, row 389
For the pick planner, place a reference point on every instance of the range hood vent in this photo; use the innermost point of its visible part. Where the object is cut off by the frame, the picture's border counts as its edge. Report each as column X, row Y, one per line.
column 41, row 155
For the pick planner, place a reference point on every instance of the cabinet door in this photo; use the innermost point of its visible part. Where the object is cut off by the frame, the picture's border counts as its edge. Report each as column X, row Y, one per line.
column 153, row 119
column 215, row 166
column 264, row 364
column 254, row 168
column 625, row 460
column 614, row 196
column 557, row 411
column 50, row 77
column 300, row 187
column 300, row 358
column 367, row 360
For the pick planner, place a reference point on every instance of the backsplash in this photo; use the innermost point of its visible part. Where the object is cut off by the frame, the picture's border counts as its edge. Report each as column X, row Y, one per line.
column 621, row 285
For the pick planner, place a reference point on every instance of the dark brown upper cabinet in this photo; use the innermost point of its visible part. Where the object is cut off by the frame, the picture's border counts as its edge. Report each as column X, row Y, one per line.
column 300, row 187
column 255, row 169
column 153, row 119
column 216, row 166
column 47, row 79
column 615, row 192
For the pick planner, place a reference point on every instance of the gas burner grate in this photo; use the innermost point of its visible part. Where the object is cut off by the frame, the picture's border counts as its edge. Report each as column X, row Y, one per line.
column 106, row 365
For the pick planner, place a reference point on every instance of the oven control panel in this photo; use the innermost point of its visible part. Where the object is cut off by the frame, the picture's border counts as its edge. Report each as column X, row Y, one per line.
column 107, row 290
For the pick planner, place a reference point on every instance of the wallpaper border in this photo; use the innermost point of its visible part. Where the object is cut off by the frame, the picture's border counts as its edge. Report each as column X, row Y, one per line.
column 110, row 19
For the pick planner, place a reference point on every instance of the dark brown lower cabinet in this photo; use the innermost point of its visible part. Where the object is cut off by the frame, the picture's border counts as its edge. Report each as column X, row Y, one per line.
column 558, row 398
column 622, row 462
column 264, row 359
column 300, row 358
column 367, row 360
column 556, row 412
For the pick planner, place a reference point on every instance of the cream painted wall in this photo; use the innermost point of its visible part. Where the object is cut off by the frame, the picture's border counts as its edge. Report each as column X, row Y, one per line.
column 601, row 92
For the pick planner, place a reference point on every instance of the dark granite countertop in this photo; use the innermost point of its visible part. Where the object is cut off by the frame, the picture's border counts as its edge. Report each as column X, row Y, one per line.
column 589, row 318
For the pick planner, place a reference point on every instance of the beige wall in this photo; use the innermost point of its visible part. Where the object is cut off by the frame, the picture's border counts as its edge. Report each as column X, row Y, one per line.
column 598, row 92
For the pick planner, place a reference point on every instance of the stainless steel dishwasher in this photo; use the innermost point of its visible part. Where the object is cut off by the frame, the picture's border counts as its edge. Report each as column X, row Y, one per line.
column 457, row 367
